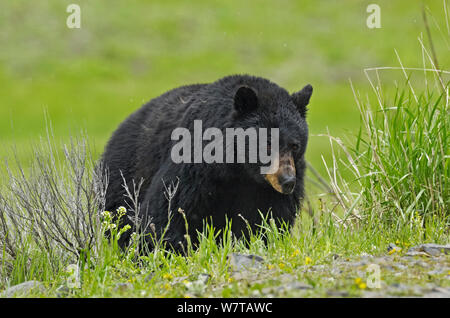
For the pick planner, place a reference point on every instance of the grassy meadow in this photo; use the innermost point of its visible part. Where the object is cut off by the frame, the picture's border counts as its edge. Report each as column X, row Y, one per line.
column 378, row 149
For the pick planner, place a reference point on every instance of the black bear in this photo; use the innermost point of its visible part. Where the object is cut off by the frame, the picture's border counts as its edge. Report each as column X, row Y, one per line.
column 144, row 148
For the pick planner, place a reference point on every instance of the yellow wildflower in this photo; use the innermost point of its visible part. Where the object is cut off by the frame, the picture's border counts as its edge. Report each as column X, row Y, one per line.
column 308, row 260
column 167, row 276
column 392, row 251
column 359, row 282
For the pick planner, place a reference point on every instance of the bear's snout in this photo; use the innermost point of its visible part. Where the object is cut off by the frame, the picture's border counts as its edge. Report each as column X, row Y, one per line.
column 284, row 179
column 287, row 183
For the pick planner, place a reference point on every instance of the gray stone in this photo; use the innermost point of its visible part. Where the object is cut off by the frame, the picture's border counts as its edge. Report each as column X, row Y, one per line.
column 399, row 266
column 337, row 293
column 360, row 263
column 24, row 289
column 373, row 294
column 439, row 271
column 431, row 249
column 402, row 290
column 241, row 262
column 287, row 278
column 204, row 278
column 336, row 271
column 445, row 290
column 415, row 253
column 399, row 287
column 245, row 275
column 299, row 285
column 294, row 286
column 179, row 279
column 422, row 264
column 438, row 292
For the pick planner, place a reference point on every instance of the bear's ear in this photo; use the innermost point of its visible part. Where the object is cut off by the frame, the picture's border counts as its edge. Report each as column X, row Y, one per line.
column 245, row 100
column 301, row 99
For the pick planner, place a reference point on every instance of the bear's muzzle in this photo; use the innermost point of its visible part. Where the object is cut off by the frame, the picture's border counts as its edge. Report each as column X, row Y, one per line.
column 284, row 179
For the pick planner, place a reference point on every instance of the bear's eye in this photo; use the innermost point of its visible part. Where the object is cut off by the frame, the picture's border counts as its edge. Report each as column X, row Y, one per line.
column 295, row 147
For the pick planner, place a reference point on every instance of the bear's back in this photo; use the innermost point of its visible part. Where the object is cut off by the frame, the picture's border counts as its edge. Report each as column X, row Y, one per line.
column 137, row 146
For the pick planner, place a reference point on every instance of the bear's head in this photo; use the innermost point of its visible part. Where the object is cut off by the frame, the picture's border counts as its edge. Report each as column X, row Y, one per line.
column 283, row 115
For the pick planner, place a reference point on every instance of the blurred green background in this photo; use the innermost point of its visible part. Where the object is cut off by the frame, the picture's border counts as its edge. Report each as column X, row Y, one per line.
column 128, row 52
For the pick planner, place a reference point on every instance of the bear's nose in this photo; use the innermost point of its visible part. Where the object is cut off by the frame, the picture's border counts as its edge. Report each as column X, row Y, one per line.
column 287, row 184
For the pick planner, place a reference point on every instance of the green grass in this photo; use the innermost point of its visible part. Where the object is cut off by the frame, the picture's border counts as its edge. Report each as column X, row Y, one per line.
column 418, row 131
column 162, row 274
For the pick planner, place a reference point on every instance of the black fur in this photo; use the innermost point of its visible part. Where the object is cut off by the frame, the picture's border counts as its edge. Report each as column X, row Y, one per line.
column 140, row 148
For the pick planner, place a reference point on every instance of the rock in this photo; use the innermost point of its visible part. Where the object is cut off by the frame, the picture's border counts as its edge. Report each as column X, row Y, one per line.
column 373, row 294
column 286, row 287
column 388, row 267
column 245, row 275
column 294, row 286
column 439, row 271
column 438, row 292
column 358, row 264
column 286, row 278
column 445, row 290
column 402, row 290
column 241, row 262
column 422, row 264
column 198, row 286
column 399, row 287
column 337, row 293
column 204, row 278
column 179, row 280
column 414, row 253
column 24, row 289
column 431, row 249
column 336, row 271
column 399, row 266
